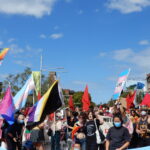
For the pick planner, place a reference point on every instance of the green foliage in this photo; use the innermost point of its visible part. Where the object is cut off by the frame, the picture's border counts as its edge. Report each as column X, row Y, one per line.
column 16, row 81
column 77, row 97
column 111, row 103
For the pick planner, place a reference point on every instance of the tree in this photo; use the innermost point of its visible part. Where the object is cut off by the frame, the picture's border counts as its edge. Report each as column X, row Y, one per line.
column 77, row 98
column 16, row 81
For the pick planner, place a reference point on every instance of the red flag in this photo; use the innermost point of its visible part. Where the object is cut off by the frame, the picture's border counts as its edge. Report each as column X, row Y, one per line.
column 146, row 100
column 71, row 104
column 39, row 96
column 85, row 100
column 130, row 99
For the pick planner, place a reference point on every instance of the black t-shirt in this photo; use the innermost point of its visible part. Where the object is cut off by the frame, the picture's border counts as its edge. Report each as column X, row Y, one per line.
column 118, row 137
column 90, row 130
column 15, row 130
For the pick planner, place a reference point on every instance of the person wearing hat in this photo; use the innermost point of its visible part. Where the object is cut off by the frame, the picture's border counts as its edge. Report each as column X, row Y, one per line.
column 143, row 129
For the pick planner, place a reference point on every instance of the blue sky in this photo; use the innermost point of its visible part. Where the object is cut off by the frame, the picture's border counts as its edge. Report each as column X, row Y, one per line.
column 94, row 40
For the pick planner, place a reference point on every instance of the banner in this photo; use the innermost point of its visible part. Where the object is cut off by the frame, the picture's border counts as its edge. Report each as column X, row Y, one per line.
column 37, row 81
column 120, row 84
column 108, row 123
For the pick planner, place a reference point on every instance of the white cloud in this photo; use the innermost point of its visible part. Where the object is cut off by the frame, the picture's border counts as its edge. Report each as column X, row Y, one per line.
column 11, row 40
column 56, row 36
column 36, row 8
column 22, row 63
column 102, row 54
column 15, row 49
column 122, row 54
column 1, row 43
column 3, row 76
column 140, row 58
column 128, row 6
column 43, row 36
column 144, row 42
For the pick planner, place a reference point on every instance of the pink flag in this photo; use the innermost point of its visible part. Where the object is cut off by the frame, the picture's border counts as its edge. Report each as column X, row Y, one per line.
column 7, row 106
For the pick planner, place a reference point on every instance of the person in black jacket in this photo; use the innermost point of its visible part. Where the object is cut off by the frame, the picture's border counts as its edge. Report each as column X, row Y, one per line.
column 14, row 134
column 118, row 137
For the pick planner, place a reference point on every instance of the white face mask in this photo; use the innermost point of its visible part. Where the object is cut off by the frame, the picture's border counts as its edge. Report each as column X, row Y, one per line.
column 143, row 113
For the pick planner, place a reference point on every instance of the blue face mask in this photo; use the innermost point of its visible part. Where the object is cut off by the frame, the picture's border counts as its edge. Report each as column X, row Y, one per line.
column 21, row 121
column 117, row 124
column 76, row 149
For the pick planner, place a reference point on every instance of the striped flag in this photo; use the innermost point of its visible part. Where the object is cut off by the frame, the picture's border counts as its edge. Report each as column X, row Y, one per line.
column 3, row 52
column 120, row 84
column 20, row 98
column 49, row 103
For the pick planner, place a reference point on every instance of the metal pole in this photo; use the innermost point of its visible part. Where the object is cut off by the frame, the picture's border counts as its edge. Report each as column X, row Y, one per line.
column 41, row 64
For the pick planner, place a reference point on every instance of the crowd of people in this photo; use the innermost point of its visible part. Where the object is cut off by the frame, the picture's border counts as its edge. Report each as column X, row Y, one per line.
column 80, row 130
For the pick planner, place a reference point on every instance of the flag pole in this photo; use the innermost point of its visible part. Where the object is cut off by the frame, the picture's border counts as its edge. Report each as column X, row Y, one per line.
column 41, row 64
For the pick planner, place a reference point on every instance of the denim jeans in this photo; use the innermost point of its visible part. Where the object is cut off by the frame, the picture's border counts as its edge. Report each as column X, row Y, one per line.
column 82, row 143
column 55, row 141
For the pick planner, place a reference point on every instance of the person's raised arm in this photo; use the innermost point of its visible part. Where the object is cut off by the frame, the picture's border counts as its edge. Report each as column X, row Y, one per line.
column 107, row 144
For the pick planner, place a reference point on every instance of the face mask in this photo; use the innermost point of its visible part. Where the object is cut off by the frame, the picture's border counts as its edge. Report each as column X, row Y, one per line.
column 76, row 149
column 117, row 124
column 21, row 121
column 143, row 113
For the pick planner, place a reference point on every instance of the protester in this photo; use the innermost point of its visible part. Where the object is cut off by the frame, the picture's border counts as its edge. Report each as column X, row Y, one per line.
column 91, row 126
column 118, row 137
column 143, row 129
column 55, row 128
column 80, row 134
column 14, row 134
column 37, row 136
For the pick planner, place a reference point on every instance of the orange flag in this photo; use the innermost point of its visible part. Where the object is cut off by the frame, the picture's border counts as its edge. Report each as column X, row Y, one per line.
column 85, row 100
column 71, row 104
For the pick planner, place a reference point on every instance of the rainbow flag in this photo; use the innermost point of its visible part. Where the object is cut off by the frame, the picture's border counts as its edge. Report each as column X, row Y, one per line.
column 49, row 103
column 3, row 52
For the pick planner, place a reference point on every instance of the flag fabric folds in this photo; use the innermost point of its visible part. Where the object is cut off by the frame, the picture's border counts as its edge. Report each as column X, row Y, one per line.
column 120, row 84
column 146, row 100
column 85, row 100
column 7, row 107
column 3, row 52
column 49, row 103
column 130, row 99
column 71, row 104
column 37, row 81
column 20, row 98
column 140, row 85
